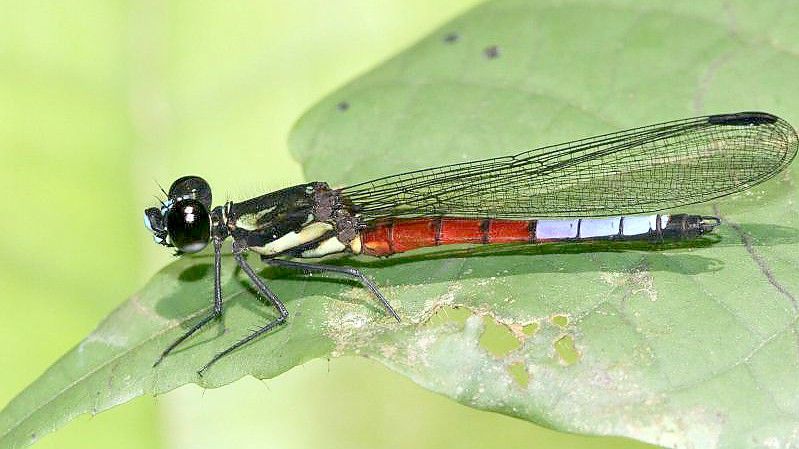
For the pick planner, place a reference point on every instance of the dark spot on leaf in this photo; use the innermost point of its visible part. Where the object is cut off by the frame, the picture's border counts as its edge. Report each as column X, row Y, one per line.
column 194, row 272
column 491, row 52
column 343, row 106
column 451, row 38
column 33, row 436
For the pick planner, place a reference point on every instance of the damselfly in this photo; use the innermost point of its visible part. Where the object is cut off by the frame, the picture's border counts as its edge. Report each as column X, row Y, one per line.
column 581, row 190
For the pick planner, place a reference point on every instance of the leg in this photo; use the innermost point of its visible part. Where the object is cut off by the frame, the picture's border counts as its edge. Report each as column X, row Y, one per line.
column 347, row 271
column 264, row 291
column 217, row 312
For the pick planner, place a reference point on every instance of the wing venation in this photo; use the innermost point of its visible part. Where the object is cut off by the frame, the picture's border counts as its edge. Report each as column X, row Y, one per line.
column 641, row 170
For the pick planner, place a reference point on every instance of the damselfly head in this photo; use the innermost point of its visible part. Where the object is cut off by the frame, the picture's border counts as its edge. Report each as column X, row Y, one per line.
column 183, row 221
column 154, row 222
column 193, row 187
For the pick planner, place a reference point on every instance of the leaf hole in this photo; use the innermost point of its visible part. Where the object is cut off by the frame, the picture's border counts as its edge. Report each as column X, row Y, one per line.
column 497, row 338
column 450, row 315
column 566, row 350
column 530, row 329
column 560, row 320
column 519, row 373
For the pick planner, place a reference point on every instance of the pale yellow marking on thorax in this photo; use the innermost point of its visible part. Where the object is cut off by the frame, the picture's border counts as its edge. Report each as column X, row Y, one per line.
column 330, row 246
column 293, row 239
column 250, row 221
column 355, row 245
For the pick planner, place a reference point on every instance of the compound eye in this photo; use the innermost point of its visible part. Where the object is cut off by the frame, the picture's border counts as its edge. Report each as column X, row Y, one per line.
column 193, row 187
column 188, row 225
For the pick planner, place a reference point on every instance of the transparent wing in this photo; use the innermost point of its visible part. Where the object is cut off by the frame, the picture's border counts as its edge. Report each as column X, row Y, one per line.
column 641, row 170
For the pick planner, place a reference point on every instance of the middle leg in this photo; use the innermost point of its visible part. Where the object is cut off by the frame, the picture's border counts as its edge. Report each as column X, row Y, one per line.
column 347, row 271
column 238, row 254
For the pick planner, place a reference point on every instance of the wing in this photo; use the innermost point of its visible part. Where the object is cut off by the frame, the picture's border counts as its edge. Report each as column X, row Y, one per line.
column 641, row 170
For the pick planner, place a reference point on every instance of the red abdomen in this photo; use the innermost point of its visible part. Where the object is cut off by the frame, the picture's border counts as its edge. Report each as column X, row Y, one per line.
column 398, row 235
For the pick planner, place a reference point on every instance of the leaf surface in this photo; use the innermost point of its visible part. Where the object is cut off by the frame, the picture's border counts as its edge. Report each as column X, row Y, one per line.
column 681, row 345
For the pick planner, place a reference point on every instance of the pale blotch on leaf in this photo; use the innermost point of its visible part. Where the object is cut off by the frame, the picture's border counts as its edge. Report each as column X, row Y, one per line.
column 496, row 338
column 637, row 280
column 523, row 331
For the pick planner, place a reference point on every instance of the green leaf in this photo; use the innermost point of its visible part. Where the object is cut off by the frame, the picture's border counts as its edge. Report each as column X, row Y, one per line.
column 683, row 346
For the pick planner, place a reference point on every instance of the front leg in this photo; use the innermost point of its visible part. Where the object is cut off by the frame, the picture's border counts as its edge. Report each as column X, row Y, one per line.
column 239, row 249
column 216, row 313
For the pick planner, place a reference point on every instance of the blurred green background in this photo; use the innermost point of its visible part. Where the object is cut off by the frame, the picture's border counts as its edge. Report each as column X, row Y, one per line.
column 99, row 100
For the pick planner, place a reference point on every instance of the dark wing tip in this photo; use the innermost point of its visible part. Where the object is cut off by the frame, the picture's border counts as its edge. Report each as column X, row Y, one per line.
column 743, row 119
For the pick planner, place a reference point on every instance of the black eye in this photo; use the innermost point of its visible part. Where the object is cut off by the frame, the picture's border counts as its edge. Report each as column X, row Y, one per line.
column 188, row 225
column 193, row 187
